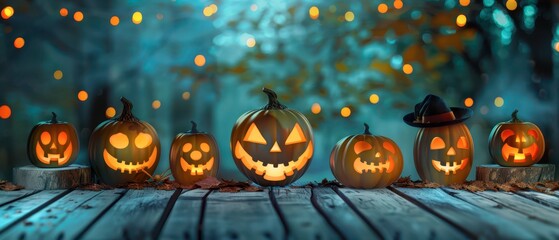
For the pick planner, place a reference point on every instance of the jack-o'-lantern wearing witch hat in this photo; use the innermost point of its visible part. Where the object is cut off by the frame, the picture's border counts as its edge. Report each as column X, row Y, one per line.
column 443, row 150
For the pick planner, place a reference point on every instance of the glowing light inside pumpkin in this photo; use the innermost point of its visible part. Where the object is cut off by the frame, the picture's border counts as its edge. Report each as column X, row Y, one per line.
column 382, row 8
column 345, row 112
column 82, row 95
column 461, row 20
column 349, row 16
column 296, row 136
column 156, row 104
column 143, row 140
column 468, row 102
column 7, row 12
column 374, row 98
column 63, row 12
column 186, row 95
column 58, row 74
column 78, row 16
column 499, row 102
column 315, row 108
column 200, row 60
column 110, row 112
column 511, row 5
column 314, row 12
column 398, row 4
column 5, row 112
column 19, row 42
column 114, row 20
column 251, row 42
column 137, row 17
column 119, row 140
column 204, row 147
column 407, row 68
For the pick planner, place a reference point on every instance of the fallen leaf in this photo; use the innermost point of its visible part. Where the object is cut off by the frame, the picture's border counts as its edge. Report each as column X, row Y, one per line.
column 208, row 183
column 8, row 186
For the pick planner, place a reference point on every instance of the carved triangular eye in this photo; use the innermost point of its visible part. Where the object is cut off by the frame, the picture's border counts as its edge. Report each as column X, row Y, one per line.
column 437, row 143
column 253, row 135
column 296, row 136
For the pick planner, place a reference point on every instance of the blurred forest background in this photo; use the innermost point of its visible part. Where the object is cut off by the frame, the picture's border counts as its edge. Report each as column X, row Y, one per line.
column 341, row 63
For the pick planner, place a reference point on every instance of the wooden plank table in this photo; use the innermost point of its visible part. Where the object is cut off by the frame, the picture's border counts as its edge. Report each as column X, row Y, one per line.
column 279, row 213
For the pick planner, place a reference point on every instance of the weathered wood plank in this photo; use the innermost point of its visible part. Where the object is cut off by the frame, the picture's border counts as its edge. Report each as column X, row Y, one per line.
column 39, row 224
column 243, row 215
column 539, row 229
column 302, row 219
column 134, row 216
column 542, row 198
column 523, row 205
column 388, row 212
column 480, row 223
column 185, row 217
column 13, row 212
column 10, row 196
column 348, row 223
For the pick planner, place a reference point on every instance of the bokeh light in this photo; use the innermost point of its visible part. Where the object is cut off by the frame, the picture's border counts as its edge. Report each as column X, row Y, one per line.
column 200, row 60
column 461, row 20
column 251, row 42
column 7, row 12
column 315, row 108
column 110, row 112
column 156, row 104
column 78, row 16
column 186, row 95
column 63, row 12
column 468, row 102
column 82, row 95
column 58, row 74
column 345, row 112
column 556, row 46
column 407, row 68
column 114, row 20
column 314, row 12
column 382, row 8
column 19, row 42
column 349, row 16
column 137, row 17
column 5, row 112
column 484, row 110
column 511, row 5
column 499, row 101
column 398, row 4
column 374, row 98
column 464, row 3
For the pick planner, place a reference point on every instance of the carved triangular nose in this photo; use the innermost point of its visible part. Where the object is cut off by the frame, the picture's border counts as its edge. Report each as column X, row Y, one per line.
column 451, row 152
column 275, row 148
column 53, row 146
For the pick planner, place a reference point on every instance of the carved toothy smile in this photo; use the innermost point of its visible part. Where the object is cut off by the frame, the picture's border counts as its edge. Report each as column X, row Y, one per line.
column 449, row 166
column 47, row 158
column 197, row 169
column 363, row 167
column 515, row 156
column 270, row 171
column 114, row 164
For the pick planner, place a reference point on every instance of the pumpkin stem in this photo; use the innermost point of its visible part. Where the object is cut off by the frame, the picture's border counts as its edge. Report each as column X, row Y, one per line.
column 273, row 102
column 367, row 129
column 53, row 119
column 193, row 129
column 514, row 116
column 126, row 114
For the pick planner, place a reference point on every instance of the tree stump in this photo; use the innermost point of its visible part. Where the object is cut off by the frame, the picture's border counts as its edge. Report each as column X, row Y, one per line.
column 499, row 174
column 32, row 177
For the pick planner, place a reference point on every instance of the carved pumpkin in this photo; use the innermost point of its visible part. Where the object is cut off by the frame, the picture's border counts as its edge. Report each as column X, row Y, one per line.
column 194, row 156
column 366, row 161
column 121, row 147
column 516, row 143
column 53, row 144
column 444, row 154
column 272, row 146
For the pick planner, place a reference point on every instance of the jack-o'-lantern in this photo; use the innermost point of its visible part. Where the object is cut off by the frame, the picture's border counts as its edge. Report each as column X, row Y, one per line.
column 121, row 147
column 444, row 149
column 194, row 156
column 366, row 161
column 53, row 144
column 272, row 146
column 516, row 143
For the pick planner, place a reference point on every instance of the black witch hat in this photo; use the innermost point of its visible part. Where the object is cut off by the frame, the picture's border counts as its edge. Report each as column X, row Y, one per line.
column 433, row 112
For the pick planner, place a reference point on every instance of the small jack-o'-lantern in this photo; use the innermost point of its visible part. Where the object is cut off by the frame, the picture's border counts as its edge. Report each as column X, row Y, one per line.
column 366, row 161
column 272, row 146
column 516, row 143
column 194, row 156
column 121, row 147
column 52, row 144
column 443, row 150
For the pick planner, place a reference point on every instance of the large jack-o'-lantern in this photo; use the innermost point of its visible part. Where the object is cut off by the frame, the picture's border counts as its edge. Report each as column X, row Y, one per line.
column 272, row 146
column 194, row 156
column 366, row 161
column 52, row 144
column 121, row 147
column 516, row 143
column 443, row 150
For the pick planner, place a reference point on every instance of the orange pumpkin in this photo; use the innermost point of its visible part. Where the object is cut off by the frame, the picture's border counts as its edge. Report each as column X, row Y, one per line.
column 120, row 148
column 194, row 156
column 366, row 161
column 516, row 143
column 272, row 146
column 53, row 144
